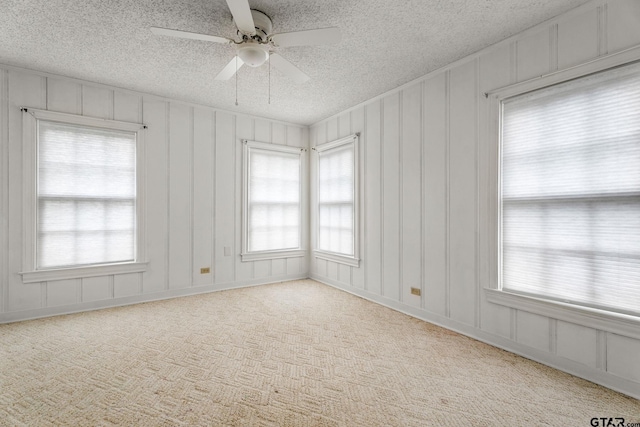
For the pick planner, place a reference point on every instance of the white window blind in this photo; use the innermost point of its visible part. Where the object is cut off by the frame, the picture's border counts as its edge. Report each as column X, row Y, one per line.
column 571, row 191
column 273, row 200
column 86, row 195
column 336, row 199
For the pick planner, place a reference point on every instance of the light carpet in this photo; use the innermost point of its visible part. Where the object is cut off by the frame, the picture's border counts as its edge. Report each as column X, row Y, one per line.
column 289, row 354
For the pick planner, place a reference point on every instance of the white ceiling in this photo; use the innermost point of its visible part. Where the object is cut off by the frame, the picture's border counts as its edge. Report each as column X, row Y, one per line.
column 385, row 43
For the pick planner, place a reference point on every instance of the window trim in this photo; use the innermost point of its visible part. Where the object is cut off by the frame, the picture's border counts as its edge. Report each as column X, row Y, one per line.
column 246, row 255
column 29, row 273
column 600, row 319
column 354, row 260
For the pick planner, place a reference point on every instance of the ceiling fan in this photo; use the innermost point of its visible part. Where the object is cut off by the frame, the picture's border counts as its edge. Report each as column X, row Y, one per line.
column 257, row 44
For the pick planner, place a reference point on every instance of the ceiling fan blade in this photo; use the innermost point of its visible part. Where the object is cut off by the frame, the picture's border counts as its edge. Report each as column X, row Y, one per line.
column 288, row 68
column 187, row 35
column 242, row 16
column 307, row 38
column 230, row 69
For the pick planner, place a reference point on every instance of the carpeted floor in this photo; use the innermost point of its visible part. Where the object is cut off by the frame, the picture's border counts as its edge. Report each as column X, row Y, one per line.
column 289, row 354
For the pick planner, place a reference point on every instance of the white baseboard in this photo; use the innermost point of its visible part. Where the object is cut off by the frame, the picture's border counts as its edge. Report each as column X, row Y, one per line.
column 37, row 313
column 603, row 378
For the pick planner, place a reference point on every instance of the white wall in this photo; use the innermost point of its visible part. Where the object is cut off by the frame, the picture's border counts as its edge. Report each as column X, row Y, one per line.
column 193, row 197
column 426, row 157
column 424, row 182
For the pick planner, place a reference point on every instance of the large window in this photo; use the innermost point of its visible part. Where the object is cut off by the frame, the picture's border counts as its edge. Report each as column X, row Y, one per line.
column 272, row 201
column 570, row 198
column 82, row 193
column 337, row 214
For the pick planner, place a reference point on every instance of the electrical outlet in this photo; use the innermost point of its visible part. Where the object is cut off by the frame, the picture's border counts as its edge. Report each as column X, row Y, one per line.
column 415, row 291
column 205, row 270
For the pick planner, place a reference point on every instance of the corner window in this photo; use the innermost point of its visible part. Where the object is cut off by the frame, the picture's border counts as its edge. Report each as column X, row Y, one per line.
column 570, row 192
column 272, row 208
column 82, row 193
column 337, row 207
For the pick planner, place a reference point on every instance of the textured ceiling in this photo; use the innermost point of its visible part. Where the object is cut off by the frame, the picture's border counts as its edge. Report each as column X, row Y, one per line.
column 385, row 43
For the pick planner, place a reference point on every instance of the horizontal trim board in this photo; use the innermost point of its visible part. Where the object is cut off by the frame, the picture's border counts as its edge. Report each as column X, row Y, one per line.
column 82, row 272
column 346, row 260
column 620, row 324
column 18, row 316
column 258, row 256
column 76, row 119
column 619, row 384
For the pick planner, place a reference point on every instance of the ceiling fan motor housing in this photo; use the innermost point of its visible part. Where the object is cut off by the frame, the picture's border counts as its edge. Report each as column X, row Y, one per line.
column 262, row 24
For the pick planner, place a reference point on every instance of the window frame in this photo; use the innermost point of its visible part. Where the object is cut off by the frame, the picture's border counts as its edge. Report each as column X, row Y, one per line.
column 354, row 260
column 247, row 255
column 601, row 319
column 30, row 273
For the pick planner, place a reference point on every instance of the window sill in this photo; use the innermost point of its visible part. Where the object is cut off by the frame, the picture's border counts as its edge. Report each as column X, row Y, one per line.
column 616, row 323
column 342, row 259
column 80, row 272
column 258, row 256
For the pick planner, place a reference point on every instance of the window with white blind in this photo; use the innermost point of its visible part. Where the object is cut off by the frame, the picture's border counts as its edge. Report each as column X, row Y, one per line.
column 83, row 190
column 570, row 192
column 337, row 208
column 272, row 210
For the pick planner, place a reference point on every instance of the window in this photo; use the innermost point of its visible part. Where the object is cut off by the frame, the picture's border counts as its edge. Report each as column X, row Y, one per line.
column 272, row 208
column 337, row 215
column 570, row 196
column 82, row 195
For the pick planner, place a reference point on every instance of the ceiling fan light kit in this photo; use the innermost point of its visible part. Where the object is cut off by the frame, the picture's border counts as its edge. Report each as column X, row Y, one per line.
column 258, row 44
column 253, row 54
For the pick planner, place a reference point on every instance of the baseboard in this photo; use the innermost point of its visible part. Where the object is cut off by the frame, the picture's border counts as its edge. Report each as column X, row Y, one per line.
column 619, row 384
column 17, row 316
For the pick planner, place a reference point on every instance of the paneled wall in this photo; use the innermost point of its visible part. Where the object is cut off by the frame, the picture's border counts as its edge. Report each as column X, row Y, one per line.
column 192, row 198
column 426, row 160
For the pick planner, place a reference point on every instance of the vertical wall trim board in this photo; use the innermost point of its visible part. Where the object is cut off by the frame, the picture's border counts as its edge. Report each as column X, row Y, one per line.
column 141, row 198
column 81, row 106
column 515, row 52
column 363, row 168
column 234, row 133
column 423, row 196
column 447, row 206
column 270, row 273
column 601, row 350
column 400, row 195
column 357, row 195
column 167, row 138
column 112, row 103
column 514, row 324
column 476, row 204
column 192, row 123
column 553, row 48
column 553, row 336
column 43, row 294
column 4, row 188
column 111, row 287
column 382, row 197
column 253, row 263
column 212, row 171
column 603, row 45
